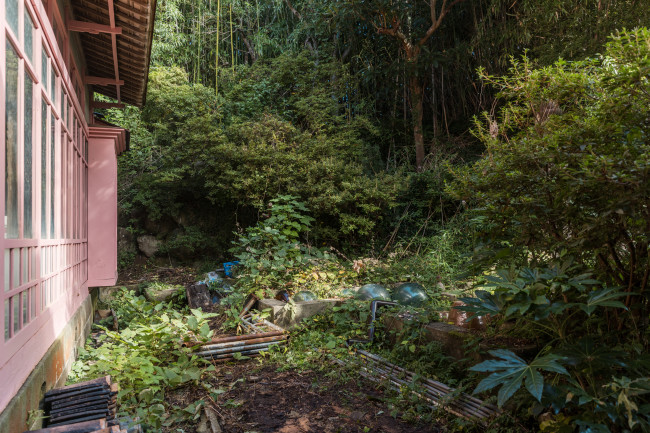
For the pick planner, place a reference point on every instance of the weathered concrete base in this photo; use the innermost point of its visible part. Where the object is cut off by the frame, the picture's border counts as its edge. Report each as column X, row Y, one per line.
column 51, row 372
column 282, row 316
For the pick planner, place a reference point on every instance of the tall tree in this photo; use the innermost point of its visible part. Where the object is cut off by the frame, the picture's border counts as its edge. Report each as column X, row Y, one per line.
column 399, row 23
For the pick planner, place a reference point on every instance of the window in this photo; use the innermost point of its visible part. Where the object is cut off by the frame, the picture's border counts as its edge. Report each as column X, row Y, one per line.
column 45, row 175
column 44, row 167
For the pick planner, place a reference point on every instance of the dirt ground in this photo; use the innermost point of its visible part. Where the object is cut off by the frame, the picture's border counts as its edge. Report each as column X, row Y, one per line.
column 261, row 399
column 150, row 272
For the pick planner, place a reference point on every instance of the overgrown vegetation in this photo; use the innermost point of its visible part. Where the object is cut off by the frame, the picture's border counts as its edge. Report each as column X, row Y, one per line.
column 566, row 179
column 333, row 144
column 146, row 357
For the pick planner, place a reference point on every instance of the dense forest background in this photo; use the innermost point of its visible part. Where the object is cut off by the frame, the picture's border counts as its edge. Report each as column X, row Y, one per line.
column 498, row 149
column 358, row 108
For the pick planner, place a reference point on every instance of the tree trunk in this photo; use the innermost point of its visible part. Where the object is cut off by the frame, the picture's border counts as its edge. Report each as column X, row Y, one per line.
column 416, row 113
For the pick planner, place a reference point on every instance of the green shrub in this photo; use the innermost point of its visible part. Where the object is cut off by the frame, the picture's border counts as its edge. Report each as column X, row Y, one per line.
column 567, row 165
column 146, row 357
column 596, row 379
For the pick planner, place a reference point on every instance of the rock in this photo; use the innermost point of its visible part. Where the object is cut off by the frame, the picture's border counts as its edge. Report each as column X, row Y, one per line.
column 125, row 241
column 103, row 313
column 159, row 295
column 148, row 244
column 161, row 227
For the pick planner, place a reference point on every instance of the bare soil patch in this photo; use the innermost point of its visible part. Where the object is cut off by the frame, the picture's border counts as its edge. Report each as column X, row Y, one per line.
column 261, row 399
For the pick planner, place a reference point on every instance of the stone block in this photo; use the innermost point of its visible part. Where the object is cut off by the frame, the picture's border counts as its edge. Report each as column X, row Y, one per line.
column 159, row 295
column 281, row 313
column 106, row 293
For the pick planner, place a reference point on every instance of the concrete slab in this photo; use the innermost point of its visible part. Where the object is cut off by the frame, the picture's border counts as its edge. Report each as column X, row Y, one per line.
column 106, row 293
column 282, row 315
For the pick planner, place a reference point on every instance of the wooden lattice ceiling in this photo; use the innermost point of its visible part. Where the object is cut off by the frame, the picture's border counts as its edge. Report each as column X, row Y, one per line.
column 131, row 47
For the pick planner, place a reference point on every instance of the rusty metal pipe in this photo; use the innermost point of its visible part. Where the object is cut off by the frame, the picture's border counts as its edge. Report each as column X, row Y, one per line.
column 231, row 354
column 246, row 342
column 237, row 348
column 235, row 338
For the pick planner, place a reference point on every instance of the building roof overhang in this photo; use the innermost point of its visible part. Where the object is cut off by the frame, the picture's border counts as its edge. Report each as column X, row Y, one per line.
column 116, row 37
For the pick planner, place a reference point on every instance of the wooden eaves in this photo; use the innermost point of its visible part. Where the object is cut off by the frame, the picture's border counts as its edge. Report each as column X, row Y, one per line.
column 116, row 37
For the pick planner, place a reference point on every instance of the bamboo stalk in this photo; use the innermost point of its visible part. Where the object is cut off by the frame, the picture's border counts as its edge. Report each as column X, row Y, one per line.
column 216, row 64
column 232, row 46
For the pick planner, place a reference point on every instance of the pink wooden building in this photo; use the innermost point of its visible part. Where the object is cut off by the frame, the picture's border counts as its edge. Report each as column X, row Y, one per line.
column 59, row 236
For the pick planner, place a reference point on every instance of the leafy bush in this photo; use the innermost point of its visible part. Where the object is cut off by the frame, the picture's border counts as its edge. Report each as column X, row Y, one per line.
column 598, row 380
column 566, row 176
column 146, row 358
column 271, row 252
column 568, row 163
column 205, row 164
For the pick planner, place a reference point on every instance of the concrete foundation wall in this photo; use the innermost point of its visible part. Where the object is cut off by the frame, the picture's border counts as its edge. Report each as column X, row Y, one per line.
column 51, row 371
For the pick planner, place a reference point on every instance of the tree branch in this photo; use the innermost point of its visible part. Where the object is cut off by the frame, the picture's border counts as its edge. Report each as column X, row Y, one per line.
column 293, row 10
column 435, row 22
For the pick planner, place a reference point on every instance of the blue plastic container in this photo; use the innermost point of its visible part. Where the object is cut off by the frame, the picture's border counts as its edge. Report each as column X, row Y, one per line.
column 227, row 268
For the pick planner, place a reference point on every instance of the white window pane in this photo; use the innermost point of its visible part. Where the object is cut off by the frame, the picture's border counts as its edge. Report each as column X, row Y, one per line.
column 44, row 62
column 15, row 303
column 25, row 307
column 7, row 320
column 44, row 125
column 29, row 40
column 15, row 268
column 27, row 158
column 11, row 12
column 25, row 265
column 7, row 270
column 11, row 144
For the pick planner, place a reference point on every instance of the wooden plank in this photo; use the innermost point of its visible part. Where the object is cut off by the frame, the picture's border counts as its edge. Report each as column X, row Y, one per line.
column 103, row 81
column 94, row 28
column 98, row 104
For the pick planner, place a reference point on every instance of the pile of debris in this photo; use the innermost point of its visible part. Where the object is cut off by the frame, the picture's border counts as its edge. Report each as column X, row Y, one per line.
column 261, row 336
column 82, row 408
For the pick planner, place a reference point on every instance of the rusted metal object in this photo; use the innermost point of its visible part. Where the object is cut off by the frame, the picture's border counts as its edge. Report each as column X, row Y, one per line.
column 262, row 335
column 374, row 305
column 377, row 369
column 248, row 304
column 254, row 324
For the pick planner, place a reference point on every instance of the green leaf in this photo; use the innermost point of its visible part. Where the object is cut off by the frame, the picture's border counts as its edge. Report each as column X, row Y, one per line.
column 605, row 297
column 510, row 371
column 192, row 323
